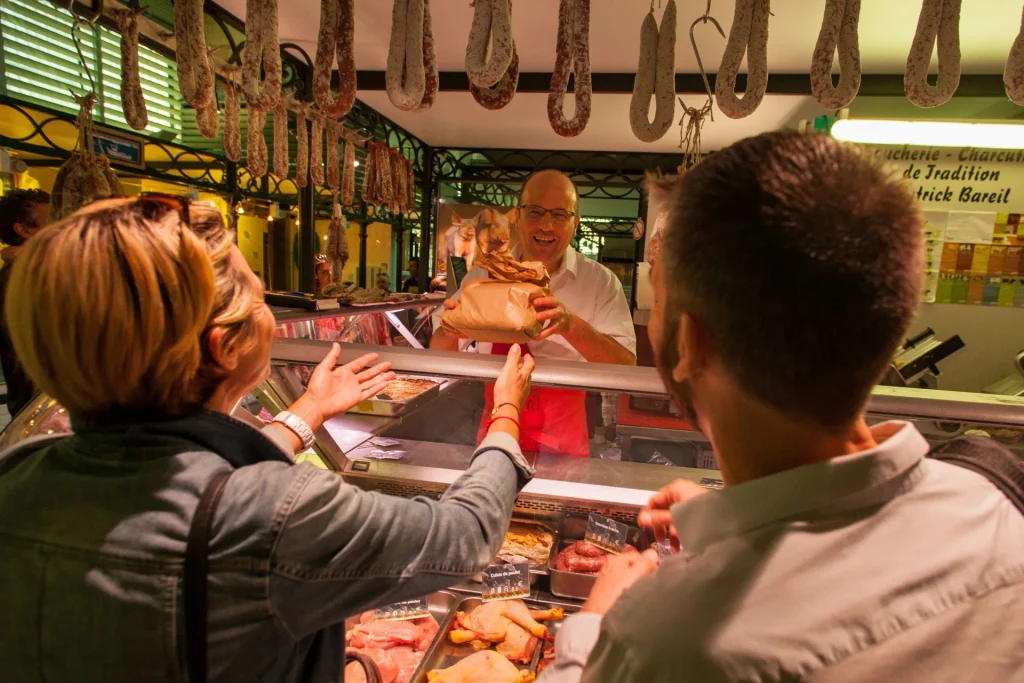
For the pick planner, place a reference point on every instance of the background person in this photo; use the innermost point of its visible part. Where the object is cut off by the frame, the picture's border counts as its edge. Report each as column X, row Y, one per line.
column 836, row 552
column 149, row 332
column 412, row 284
column 23, row 213
column 587, row 314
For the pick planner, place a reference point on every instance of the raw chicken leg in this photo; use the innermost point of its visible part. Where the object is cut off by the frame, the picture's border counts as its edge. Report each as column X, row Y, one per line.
column 491, row 620
column 486, row 666
column 518, row 645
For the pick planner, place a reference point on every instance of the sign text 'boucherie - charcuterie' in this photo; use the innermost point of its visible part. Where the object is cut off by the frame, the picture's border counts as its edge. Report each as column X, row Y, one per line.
column 960, row 177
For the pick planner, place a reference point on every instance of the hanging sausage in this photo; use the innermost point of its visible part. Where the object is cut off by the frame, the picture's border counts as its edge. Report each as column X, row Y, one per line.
column 498, row 96
column 133, row 102
column 333, row 166
column 316, row 149
column 261, row 47
column 1013, row 74
column 301, row 149
column 838, row 29
column 748, row 35
column 368, row 191
column 348, row 171
column 232, row 123
column 337, row 28
column 195, row 67
column 939, row 23
column 411, row 66
column 490, row 36
column 655, row 76
column 281, row 160
column 572, row 56
column 256, row 143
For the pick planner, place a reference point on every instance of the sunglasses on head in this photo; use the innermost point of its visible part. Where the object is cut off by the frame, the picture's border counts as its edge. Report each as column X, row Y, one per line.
column 154, row 205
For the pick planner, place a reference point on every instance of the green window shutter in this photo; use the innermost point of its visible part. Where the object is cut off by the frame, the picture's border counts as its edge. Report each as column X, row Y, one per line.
column 40, row 64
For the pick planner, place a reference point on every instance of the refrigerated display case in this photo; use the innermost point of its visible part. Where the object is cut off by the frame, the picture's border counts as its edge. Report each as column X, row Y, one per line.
column 393, row 324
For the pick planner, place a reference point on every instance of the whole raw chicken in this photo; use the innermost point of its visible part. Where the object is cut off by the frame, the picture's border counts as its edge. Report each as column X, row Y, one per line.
column 509, row 623
column 485, row 666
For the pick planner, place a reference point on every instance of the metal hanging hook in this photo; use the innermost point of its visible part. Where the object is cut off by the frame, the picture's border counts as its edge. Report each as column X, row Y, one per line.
column 696, row 52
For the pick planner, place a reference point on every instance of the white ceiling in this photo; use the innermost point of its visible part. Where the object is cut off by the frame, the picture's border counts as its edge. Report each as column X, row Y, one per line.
column 987, row 29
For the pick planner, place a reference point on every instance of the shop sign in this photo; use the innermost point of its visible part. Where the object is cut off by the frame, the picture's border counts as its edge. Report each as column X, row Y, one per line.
column 960, row 178
column 122, row 150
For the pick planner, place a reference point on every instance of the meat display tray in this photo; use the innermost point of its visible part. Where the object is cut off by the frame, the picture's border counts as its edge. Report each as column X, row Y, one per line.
column 441, row 606
column 388, row 408
column 573, row 584
column 443, row 653
column 475, row 583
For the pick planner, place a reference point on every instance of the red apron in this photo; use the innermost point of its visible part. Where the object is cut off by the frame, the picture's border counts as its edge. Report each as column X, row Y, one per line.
column 552, row 421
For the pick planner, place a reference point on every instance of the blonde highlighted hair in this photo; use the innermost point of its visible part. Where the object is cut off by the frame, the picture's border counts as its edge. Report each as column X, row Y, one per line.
column 111, row 308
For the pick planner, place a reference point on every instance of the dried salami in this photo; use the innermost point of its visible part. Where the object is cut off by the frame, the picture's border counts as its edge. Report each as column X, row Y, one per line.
column 573, row 56
column 195, row 68
column 208, row 121
column 367, row 193
column 655, row 76
column 348, row 171
column 405, row 78
column 316, row 150
column 133, row 102
column 281, row 160
column 502, row 93
column 939, row 23
column 333, row 165
column 232, row 123
column 430, row 76
column 838, row 29
column 491, row 35
column 256, row 144
column 410, row 184
column 261, row 47
column 1013, row 74
column 337, row 28
column 748, row 35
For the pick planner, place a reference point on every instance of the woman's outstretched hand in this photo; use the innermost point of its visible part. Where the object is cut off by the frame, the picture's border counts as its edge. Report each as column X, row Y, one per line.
column 334, row 389
column 513, row 384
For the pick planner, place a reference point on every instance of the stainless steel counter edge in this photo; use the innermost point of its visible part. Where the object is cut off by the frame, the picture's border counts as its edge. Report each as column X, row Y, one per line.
column 885, row 401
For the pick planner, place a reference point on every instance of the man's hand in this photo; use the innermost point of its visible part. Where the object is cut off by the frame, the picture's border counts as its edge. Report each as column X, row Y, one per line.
column 619, row 573
column 450, row 331
column 551, row 309
column 657, row 516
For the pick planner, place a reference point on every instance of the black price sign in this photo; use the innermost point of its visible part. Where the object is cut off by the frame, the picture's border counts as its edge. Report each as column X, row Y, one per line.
column 506, row 581
column 606, row 533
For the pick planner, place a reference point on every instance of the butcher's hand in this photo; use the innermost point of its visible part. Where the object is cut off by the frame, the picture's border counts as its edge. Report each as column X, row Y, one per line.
column 450, row 331
column 334, row 389
column 619, row 573
column 551, row 310
column 657, row 516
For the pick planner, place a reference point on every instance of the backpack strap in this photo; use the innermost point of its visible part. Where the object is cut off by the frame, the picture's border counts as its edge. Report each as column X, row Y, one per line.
column 989, row 459
column 197, row 562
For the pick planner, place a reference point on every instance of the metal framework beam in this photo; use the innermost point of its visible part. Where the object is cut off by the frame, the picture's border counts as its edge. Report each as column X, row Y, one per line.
column 872, row 85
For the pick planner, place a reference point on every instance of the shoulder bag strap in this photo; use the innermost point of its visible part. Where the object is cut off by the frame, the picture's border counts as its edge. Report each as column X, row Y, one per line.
column 989, row 459
column 197, row 562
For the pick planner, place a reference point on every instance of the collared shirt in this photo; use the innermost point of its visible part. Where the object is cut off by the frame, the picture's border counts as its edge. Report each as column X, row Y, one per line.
column 590, row 291
column 877, row 566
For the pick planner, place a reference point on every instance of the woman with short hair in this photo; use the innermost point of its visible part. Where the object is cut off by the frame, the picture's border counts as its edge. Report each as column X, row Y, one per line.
column 147, row 325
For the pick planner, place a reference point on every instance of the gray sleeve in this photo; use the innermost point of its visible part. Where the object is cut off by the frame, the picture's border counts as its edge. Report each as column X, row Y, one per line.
column 575, row 642
column 340, row 550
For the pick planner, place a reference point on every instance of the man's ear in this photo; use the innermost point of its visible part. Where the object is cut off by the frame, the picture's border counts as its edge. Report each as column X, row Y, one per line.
column 693, row 348
column 221, row 354
column 24, row 230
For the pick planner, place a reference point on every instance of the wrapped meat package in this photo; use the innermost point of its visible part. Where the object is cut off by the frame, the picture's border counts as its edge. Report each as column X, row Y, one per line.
column 500, row 310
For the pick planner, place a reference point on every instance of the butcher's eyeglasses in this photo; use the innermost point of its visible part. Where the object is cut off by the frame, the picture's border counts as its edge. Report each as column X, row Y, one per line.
column 535, row 214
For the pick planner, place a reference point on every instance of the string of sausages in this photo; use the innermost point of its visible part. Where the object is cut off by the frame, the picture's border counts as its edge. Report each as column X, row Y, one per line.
column 133, row 102
column 316, row 149
column 655, row 75
column 388, row 179
column 337, row 242
column 748, row 35
column 333, row 166
column 572, row 56
column 412, row 65
column 348, row 176
column 281, row 160
column 301, row 149
column 336, row 39
column 261, row 47
column 491, row 33
column 838, row 29
column 1013, row 74
column 939, row 23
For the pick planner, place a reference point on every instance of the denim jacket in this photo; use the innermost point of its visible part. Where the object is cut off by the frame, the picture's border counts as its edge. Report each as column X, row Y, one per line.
column 93, row 538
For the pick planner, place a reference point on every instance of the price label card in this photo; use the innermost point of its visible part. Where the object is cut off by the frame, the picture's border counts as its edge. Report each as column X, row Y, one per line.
column 407, row 609
column 606, row 533
column 664, row 548
column 506, row 581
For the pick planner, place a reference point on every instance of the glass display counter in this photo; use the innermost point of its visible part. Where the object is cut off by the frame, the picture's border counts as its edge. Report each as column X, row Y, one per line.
column 395, row 324
column 420, row 443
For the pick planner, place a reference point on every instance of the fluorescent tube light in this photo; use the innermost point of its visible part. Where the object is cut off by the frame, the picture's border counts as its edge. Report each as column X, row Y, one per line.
column 930, row 133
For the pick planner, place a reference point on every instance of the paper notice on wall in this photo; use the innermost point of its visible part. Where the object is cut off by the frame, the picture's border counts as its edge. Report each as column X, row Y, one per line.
column 935, row 225
column 930, row 290
column 968, row 227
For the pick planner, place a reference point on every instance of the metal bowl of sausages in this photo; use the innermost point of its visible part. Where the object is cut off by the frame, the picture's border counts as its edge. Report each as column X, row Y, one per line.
column 572, row 553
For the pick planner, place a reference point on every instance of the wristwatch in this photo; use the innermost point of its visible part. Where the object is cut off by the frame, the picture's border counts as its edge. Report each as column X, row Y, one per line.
column 297, row 425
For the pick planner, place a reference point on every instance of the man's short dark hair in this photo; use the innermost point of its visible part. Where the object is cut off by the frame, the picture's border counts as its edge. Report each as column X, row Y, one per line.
column 803, row 256
column 414, row 259
column 16, row 207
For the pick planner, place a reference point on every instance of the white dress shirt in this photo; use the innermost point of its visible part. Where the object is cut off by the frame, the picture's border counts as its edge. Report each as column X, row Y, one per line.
column 882, row 565
column 589, row 290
